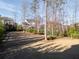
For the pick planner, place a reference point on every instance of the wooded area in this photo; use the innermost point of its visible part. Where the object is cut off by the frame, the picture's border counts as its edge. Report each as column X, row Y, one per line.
column 56, row 23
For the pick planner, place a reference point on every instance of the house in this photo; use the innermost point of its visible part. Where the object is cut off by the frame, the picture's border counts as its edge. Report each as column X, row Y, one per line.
column 9, row 24
column 7, row 20
column 28, row 23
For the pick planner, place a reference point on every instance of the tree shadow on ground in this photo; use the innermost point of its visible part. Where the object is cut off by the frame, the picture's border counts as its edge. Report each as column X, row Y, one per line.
column 18, row 39
column 32, row 53
column 17, row 43
column 24, row 41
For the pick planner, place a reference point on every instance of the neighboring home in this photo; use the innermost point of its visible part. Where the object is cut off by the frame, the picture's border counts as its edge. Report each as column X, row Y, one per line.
column 25, row 25
column 28, row 23
column 7, row 20
column 31, row 23
column 9, row 23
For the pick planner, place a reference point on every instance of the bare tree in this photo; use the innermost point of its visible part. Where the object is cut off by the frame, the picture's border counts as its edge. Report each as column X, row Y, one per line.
column 45, row 26
column 24, row 10
column 56, row 6
column 75, row 10
column 35, row 9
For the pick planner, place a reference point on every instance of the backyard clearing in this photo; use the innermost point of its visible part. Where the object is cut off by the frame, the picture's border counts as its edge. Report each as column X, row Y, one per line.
column 35, row 47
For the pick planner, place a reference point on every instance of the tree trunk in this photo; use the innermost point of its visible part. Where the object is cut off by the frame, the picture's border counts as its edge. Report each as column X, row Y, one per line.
column 45, row 29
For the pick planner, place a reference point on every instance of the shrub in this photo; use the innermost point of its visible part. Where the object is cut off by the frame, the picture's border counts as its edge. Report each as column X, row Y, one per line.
column 1, row 31
column 41, row 31
column 72, row 32
column 31, row 30
column 51, row 38
column 75, row 34
column 19, row 27
column 10, row 27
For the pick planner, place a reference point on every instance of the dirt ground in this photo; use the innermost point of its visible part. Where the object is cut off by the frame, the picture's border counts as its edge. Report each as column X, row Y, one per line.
column 25, row 46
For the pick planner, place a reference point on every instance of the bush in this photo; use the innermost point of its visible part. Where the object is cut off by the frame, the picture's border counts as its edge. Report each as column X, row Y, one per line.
column 51, row 38
column 31, row 30
column 19, row 28
column 10, row 27
column 1, row 31
column 41, row 31
column 72, row 32
column 75, row 34
column 65, row 33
